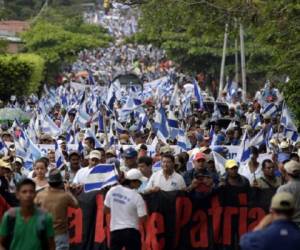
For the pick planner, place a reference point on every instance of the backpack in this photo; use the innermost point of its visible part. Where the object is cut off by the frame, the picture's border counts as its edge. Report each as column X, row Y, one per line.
column 41, row 227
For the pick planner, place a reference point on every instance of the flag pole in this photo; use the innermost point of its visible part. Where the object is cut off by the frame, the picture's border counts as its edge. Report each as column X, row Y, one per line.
column 223, row 60
column 243, row 64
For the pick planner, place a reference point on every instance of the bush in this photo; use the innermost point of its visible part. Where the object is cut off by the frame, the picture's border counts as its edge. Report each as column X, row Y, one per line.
column 20, row 75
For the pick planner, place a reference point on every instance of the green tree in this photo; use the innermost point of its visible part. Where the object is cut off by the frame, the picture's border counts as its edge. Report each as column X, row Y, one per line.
column 58, row 46
column 20, row 74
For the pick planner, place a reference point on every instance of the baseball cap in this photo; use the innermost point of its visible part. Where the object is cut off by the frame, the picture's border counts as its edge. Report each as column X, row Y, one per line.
column 166, row 149
column 283, row 201
column 19, row 160
column 284, row 144
column 135, row 174
column 55, row 176
column 199, row 137
column 130, row 153
column 231, row 163
column 200, row 156
column 95, row 154
column 292, row 167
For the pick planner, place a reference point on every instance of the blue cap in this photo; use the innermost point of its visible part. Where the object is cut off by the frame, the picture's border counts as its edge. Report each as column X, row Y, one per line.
column 282, row 157
column 220, row 139
column 130, row 153
column 199, row 137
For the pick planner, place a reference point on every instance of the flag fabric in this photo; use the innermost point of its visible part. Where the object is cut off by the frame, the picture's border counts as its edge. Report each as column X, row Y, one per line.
column 161, row 125
column 258, row 139
column 290, row 129
column 173, row 124
column 245, row 152
column 59, row 157
column 219, row 162
column 100, row 123
column 100, row 176
column 198, row 95
column 182, row 140
column 269, row 110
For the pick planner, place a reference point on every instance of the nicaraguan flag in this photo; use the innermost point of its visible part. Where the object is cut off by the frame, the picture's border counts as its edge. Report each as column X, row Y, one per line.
column 245, row 150
column 269, row 110
column 290, row 129
column 162, row 126
column 59, row 157
column 258, row 139
column 100, row 176
column 198, row 95
column 173, row 124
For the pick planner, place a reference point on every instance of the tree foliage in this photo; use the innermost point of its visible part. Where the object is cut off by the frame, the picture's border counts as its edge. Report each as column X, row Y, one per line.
column 192, row 34
column 20, row 74
column 58, row 37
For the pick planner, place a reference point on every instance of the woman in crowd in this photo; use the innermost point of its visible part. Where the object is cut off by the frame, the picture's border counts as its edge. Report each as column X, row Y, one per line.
column 40, row 170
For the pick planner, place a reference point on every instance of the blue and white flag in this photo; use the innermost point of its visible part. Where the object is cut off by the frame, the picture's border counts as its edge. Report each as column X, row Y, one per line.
column 198, row 95
column 290, row 129
column 161, row 125
column 59, row 157
column 173, row 124
column 182, row 140
column 100, row 176
column 245, row 152
column 269, row 110
column 216, row 115
column 258, row 139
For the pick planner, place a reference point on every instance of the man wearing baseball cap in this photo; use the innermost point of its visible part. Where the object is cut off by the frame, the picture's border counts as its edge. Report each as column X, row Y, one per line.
column 292, row 169
column 94, row 160
column 232, row 177
column 128, row 210
column 130, row 159
column 276, row 230
column 198, row 166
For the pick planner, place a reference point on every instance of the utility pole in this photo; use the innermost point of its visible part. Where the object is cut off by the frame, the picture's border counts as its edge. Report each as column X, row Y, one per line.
column 243, row 64
column 236, row 55
column 223, row 61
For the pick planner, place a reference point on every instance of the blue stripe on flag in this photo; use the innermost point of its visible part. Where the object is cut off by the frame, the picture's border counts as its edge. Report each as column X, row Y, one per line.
column 99, row 185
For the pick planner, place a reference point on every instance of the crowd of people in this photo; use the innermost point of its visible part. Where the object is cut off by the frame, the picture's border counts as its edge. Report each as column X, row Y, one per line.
column 167, row 134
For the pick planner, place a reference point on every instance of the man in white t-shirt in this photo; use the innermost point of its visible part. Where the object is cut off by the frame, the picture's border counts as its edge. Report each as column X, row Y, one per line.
column 166, row 179
column 128, row 210
column 81, row 175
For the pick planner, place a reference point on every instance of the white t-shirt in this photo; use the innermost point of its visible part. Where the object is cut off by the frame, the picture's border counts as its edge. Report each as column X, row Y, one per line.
column 81, row 175
column 126, row 207
column 174, row 182
column 245, row 171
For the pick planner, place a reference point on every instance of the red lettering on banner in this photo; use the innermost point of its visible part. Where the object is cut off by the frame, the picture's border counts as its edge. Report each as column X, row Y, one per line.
column 155, row 226
column 228, row 213
column 200, row 229
column 257, row 214
column 216, row 212
column 183, row 215
column 243, row 214
column 75, row 222
column 100, row 228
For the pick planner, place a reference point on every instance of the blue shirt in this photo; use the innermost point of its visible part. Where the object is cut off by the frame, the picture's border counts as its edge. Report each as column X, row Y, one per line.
column 280, row 235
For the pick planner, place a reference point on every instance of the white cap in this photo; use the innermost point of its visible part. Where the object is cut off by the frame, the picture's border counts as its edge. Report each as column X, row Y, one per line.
column 95, row 154
column 292, row 167
column 135, row 174
column 284, row 144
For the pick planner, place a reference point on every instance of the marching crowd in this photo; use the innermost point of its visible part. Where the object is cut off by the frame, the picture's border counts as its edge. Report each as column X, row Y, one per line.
column 169, row 133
